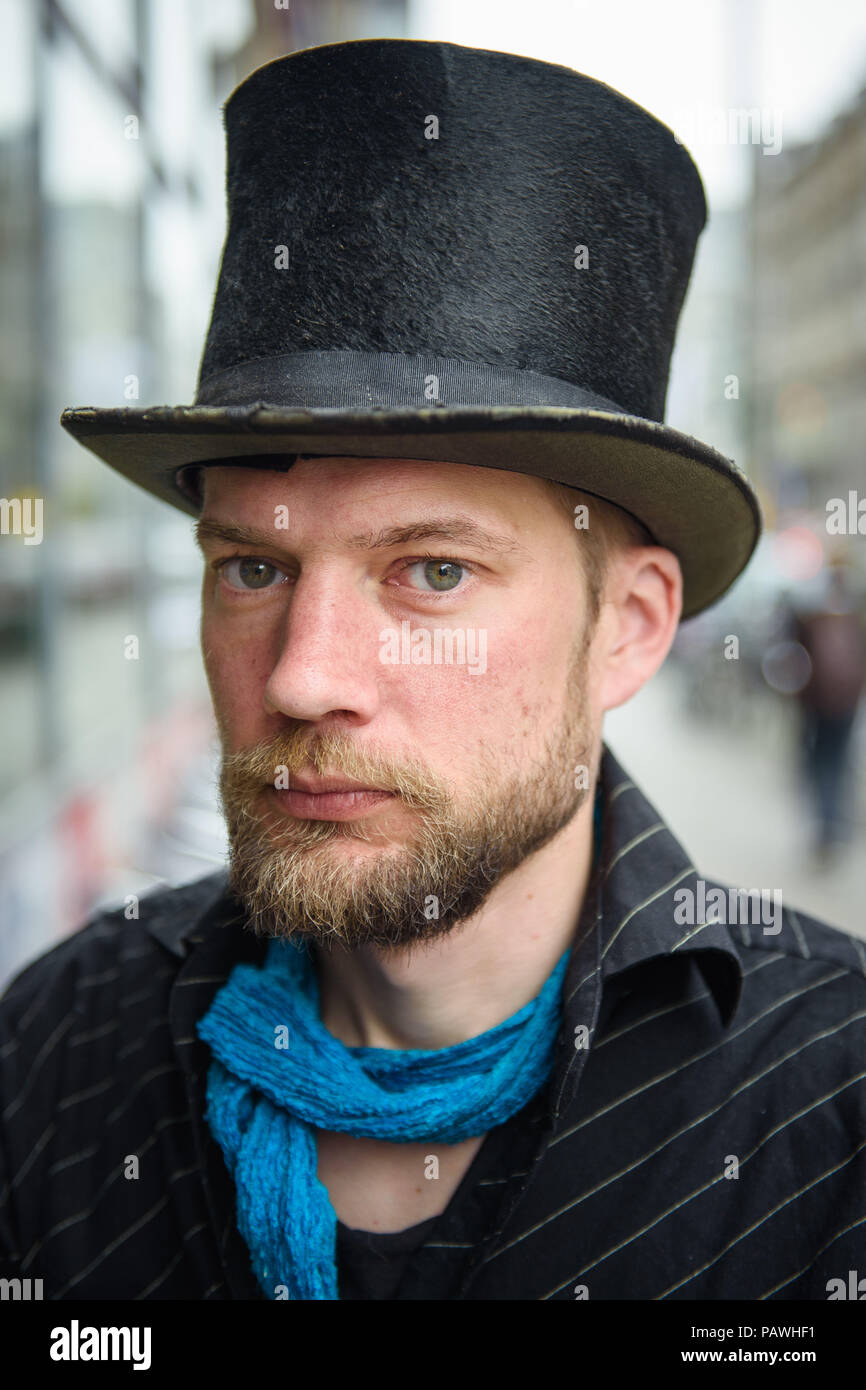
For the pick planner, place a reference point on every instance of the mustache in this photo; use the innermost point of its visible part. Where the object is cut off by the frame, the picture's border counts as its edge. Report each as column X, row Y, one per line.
column 332, row 753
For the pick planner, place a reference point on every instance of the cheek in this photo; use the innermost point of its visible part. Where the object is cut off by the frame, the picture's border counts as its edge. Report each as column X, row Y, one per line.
column 237, row 673
column 507, row 703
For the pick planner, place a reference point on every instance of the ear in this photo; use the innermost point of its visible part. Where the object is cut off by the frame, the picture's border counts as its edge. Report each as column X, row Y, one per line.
column 641, row 609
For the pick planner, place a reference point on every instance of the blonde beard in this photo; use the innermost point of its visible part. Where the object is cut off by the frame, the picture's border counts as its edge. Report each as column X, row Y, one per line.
column 293, row 884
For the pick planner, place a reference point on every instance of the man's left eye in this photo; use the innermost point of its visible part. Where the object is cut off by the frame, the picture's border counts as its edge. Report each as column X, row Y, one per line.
column 441, row 575
column 248, row 572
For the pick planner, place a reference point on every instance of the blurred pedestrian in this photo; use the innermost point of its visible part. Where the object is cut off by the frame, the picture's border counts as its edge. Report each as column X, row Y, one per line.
column 831, row 632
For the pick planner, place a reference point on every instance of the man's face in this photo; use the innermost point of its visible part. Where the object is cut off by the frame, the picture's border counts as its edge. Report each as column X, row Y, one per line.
column 334, row 596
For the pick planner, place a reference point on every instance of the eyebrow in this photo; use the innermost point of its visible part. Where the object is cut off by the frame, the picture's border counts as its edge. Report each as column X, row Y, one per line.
column 461, row 530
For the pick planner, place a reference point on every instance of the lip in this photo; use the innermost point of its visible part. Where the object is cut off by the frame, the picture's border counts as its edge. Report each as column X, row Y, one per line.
column 318, row 786
column 329, row 798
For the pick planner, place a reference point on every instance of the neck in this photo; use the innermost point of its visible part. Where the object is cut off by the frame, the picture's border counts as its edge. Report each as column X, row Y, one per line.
column 483, row 971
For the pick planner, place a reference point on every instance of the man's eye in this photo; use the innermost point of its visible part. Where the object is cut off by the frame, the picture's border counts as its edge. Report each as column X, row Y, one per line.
column 248, row 572
column 441, row 575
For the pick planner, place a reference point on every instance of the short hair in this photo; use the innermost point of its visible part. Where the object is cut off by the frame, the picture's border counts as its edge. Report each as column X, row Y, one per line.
column 610, row 529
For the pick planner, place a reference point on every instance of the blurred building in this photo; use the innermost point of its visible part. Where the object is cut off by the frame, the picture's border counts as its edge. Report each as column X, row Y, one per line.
column 112, row 217
column 282, row 26
column 809, row 304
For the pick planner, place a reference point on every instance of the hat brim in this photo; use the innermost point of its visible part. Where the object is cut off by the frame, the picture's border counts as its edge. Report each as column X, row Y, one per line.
column 692, row 499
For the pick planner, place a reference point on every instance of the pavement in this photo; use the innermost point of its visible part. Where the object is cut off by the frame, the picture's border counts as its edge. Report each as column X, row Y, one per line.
column 730, row 791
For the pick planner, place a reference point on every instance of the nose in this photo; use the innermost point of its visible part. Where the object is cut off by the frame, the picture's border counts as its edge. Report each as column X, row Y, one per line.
column 328, row 653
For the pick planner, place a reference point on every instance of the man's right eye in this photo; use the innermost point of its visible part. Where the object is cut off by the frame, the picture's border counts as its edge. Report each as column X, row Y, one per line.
column 248, row 572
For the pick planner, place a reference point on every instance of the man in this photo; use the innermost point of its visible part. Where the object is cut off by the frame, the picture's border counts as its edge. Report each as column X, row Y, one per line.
column 828, row 627
column 464, row 1023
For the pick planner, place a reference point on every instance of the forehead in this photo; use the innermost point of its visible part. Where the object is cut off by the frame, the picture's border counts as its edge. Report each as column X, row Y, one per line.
column 352, row 484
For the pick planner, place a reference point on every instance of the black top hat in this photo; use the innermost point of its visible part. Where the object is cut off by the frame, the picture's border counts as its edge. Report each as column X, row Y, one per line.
column 441, row 252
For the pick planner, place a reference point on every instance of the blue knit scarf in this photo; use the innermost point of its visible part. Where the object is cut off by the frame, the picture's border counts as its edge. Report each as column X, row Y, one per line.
column 278, row 1071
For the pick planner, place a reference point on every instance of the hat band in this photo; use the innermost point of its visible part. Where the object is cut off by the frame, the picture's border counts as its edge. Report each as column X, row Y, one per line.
column 349, row 380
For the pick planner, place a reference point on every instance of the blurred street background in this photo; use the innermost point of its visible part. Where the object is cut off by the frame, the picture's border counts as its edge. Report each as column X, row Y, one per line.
column 751, row 741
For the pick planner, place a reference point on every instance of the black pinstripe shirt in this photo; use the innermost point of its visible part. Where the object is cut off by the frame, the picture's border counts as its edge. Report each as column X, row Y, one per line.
column 702, row 1136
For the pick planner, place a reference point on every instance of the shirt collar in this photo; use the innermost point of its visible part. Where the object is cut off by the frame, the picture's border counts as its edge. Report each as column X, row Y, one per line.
column 640, row 868
column 628, row 919
column 180, row 919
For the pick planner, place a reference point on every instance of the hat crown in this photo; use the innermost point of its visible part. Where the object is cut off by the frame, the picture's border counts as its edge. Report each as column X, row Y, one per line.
column 439, row 203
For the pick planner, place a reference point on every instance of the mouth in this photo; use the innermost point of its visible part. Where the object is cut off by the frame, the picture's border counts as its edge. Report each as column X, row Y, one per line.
column 319, row 786
column 329, row 798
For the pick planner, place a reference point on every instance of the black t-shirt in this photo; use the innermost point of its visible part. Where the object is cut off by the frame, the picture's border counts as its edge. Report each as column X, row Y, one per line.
column 372, row 1264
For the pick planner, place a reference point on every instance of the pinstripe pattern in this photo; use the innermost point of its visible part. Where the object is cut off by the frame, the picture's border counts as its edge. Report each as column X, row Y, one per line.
column 678, row 1206
column 708, row 1143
